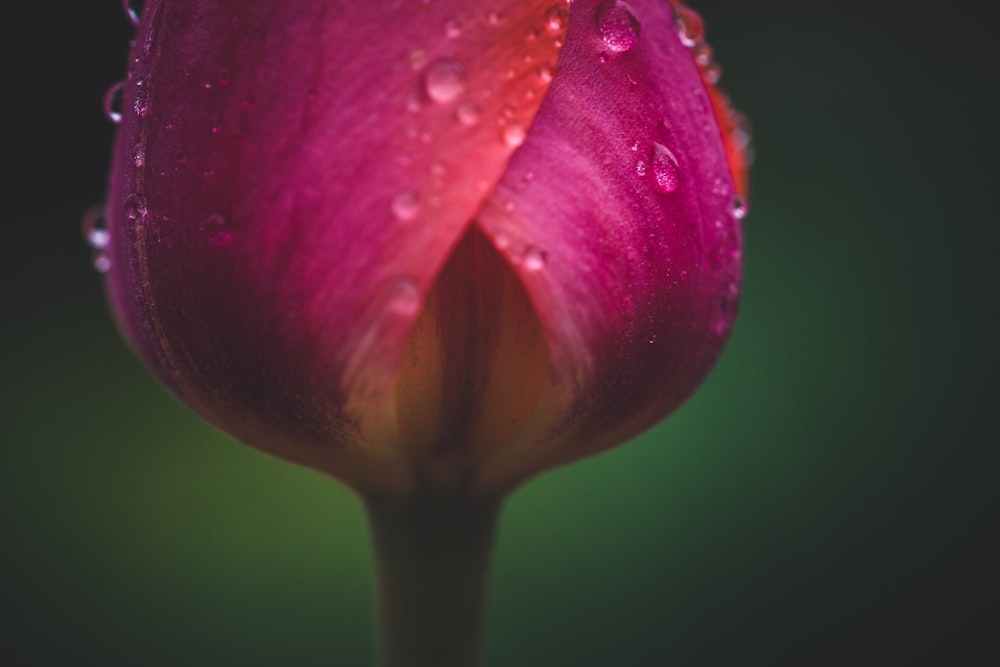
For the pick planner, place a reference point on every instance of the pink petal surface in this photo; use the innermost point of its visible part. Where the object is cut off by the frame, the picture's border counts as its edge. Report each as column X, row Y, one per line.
column 289, row 178
column 617, row 213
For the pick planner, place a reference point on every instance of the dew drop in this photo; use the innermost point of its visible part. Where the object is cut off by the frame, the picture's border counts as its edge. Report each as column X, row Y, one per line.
column 684, row 275
column 444, row 80
column 453, row 29
column 513, row 135
column 652, row 338
column 133, row 10
column 216, row 229
column 618, row 24
column 101, row 261
column 94, row 227
column 712, row 73
column 546, row 73
column 468, row 113
column 690, row 27
column 534, row 258
column 112, row 102
column 740, row 208
column 640, row 168
column 404, row 297
column 703, row 54
column 135, row 207
column 665, row 169
column 406, row 206
column 557, row 18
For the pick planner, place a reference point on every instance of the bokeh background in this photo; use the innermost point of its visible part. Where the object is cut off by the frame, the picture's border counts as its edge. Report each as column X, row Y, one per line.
column 828, row 497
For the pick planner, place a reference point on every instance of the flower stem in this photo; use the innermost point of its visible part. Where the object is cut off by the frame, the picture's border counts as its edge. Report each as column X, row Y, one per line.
column 432, row 558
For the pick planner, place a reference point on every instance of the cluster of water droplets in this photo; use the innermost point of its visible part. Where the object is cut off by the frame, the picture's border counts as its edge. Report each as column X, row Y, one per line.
column 95, row 232
column 444, row 85
column 691, row 32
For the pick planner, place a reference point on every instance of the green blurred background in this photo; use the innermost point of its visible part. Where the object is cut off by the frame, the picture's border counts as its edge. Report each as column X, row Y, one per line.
column 826, row 498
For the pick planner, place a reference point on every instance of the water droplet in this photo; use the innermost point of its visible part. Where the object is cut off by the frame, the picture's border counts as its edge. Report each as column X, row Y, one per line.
column 94, row 228
column 652, row 338
column 139, row 155
column 618, row 24
column 640, row 168
column 453, row 29
column 703, row 54
column 444, row 80
column 468, row 113
column 534, row 258
column 406, row 206
column 557, row 18
column 684, row 275
column 712, row 73
column 112, row 102
column 133, row 10
column 513, row 135
column 404, row 297
column 101, row 261
column 690, row 27
column 634, row 147
column 665, row 169
column 740, row 208
column 216, row 229
column 135, row 207
column 546, row 73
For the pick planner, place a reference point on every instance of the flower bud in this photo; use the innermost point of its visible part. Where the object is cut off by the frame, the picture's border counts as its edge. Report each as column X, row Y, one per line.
column 426, row 246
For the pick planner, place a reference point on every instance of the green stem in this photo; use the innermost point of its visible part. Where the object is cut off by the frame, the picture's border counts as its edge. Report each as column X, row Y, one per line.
column 432, row 558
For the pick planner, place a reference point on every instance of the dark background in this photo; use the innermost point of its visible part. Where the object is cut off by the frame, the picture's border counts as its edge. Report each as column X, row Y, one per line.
column 828, row 497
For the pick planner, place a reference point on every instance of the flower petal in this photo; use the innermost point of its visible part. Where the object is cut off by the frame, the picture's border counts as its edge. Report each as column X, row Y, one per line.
column 289, row 178
column 617, row 213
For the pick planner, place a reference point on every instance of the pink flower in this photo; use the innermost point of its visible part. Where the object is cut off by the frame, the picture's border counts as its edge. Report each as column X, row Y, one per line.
column 433, row 246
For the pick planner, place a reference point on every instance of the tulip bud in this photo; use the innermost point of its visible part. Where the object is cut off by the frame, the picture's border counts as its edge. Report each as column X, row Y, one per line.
column 425, row 245
column 428, row 248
